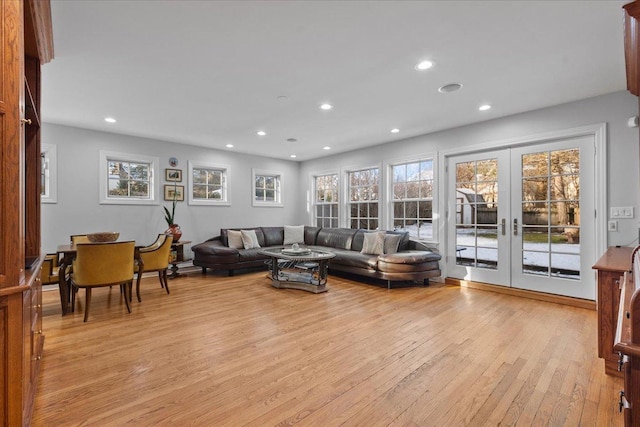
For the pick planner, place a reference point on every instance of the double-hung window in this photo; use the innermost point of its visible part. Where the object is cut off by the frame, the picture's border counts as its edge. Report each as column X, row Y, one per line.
column 413, row 198
column 127, row 178
column 363, row 198
column 326, row 200
column 208, row 184
column 267, row 188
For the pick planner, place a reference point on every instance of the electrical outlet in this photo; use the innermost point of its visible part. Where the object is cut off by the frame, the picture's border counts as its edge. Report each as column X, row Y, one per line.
column 622, row 212
column 612, row 225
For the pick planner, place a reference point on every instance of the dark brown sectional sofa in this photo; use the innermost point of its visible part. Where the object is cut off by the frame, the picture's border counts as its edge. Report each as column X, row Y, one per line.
column 413, row 260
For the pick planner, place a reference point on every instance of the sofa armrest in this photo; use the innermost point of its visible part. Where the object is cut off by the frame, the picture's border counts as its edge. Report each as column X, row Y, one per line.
column 214, row 247
column 417, row 245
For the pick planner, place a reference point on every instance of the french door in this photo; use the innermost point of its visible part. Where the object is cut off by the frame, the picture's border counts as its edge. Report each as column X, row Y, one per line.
column 524, row 217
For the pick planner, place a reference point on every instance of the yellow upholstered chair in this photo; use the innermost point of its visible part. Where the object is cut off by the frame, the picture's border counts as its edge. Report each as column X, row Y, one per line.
column 155, row 257
column 49, row 272
column 79, row 238
column 103, row 264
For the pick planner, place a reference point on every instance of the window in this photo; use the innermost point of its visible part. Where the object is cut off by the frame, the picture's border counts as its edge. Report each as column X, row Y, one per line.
column 127, row 178
column 413, row 198
column 48, row 174
column 326, row 200
column 208, row 184
column 363, row 198
column 267, row 188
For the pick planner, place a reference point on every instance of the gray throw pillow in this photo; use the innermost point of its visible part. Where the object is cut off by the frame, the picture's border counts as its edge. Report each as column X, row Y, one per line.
column 391, row 243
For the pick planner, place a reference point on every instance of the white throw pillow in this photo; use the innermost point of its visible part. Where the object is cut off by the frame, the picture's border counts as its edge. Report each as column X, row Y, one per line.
column 293, row 234
column 373, row 243
column 249, row 239
column 235, row 239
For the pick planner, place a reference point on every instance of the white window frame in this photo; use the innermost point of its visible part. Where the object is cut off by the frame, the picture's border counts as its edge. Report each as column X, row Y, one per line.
column 50, row 173
column 347, row 193
column 389, row 191
column 278, row 202
column 314, row 203
column 105, row 199
column 224, row 201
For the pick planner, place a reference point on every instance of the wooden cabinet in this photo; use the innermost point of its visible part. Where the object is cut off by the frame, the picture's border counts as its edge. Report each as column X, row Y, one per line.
column 610, row 269
column 25, row 43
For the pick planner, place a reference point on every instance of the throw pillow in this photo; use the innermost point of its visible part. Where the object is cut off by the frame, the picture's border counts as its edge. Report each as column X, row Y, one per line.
column 293, row 234
column 249, row 239
column 373, row 243
column 391, row 243
column 235, row 239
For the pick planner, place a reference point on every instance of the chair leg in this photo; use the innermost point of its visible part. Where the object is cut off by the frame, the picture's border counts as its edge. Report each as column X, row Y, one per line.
column 166, row 282
column 126, row 290
column 138, row 287
column 87, row 304
column 160, row 277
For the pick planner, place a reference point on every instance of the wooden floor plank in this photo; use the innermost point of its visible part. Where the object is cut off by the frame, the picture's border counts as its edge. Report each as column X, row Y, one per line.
column 233, row 351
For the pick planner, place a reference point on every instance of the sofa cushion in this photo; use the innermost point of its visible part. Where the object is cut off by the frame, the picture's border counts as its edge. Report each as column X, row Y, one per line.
column 354, row 259
column 250, row 255
column 224, row 235
column 234, row 238
column 293, row 234
column 249, row 239
column 273, row 236
column 409, row 257
column 335, row 237
column 373, row 243
column 310, row 234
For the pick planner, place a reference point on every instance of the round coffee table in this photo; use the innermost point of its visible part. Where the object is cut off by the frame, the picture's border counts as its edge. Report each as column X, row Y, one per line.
column 303, row 269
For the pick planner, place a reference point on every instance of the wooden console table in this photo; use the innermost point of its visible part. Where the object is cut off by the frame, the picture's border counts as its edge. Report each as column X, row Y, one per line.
column 177, row 249
column 610, row 268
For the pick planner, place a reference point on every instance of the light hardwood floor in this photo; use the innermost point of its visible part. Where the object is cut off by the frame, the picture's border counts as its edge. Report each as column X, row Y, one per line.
column 223, row 351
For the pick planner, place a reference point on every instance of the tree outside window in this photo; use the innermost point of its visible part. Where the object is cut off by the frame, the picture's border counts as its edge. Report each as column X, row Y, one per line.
column 363, row 198
column 326, row 200
column 413, row 198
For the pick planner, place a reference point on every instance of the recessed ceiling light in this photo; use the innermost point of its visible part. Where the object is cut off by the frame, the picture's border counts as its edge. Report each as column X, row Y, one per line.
column 293, row 156
column 484, row 107
column 326, row 148
column 261, row 133
column 423, row 65
column 395, row 130
column 109, row 120
column 451, row 87
column 326, row 107
column 229, row 145
column 283, row 98
column 292, row 140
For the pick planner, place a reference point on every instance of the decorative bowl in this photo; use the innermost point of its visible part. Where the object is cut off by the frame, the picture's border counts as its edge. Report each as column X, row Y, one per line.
column 103, row 236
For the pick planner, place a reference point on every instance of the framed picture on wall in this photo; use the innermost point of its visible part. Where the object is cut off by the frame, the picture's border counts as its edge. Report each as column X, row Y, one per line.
column 173, row 175
column 174, row 192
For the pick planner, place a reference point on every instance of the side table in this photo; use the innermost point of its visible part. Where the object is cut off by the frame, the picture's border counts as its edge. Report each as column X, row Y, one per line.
column 177, row 255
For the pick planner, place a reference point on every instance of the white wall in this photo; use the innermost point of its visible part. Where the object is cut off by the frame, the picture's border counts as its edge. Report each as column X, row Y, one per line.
column 78, row 210
column 614, row 109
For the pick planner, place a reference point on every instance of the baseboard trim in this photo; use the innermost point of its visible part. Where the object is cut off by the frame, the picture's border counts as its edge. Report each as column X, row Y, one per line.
column 540, row 296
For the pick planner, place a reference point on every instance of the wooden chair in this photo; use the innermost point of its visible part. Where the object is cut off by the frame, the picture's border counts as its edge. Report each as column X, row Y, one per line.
column 155, row 257
column 49, row 271
column 103, row 264
column 79, row 238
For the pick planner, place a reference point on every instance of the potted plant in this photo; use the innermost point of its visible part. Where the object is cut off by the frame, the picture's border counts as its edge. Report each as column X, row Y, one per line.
column 169, row 216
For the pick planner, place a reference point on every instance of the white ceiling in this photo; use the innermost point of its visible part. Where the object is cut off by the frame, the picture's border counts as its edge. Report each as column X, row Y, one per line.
column 209, row 73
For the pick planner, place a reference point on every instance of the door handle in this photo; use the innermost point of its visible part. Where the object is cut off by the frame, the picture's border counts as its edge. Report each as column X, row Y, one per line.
column 504, row 226
column 515, row 226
